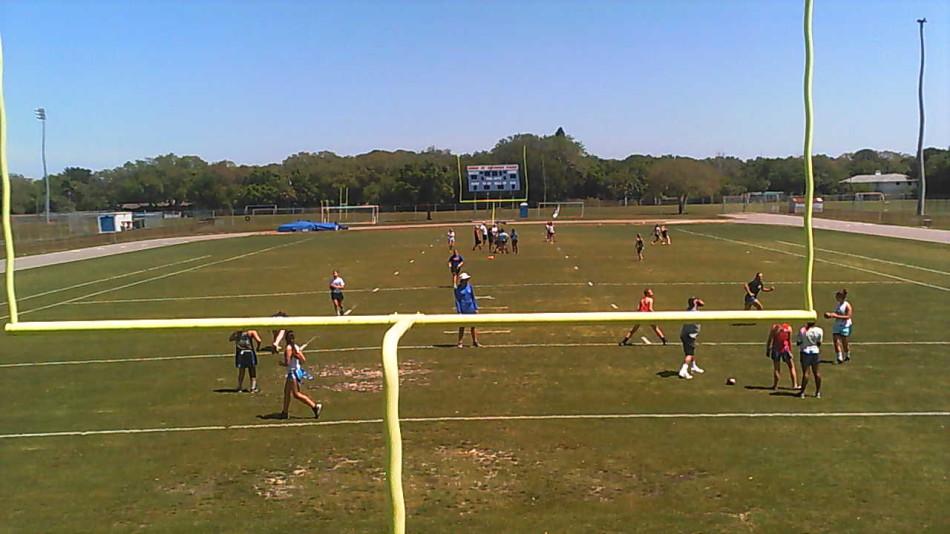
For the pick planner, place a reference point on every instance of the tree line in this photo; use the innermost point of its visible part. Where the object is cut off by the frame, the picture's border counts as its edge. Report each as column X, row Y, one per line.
column 559, row 168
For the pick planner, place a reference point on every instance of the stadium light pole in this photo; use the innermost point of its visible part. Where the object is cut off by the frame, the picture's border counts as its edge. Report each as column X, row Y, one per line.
column 922, row 189
column 41, row 116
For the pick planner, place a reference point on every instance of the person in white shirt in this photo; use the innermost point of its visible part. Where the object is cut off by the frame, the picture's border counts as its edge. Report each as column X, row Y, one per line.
column 451, row 238
column 336, row 292
column 841, row 332
column 809, row 344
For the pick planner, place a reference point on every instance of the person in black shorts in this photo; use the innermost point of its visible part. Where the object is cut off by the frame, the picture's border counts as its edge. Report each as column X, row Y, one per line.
column 639, row 247
column 514, row 241
column 752, row 290
column 456, row 261
column 246, row 345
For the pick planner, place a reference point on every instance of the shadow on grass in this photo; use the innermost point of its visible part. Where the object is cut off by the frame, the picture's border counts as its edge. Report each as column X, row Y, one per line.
column 783, row 394
column 667, row 374
column 275, row 415
column 765, row 388
column 226, row 390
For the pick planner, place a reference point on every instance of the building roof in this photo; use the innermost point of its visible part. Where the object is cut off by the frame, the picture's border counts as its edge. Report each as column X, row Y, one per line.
column 877, row 179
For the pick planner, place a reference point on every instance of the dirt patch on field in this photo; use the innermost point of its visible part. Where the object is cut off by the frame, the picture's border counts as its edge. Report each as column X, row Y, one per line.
column 279, row 485
column 479, row 474
column 369, row 379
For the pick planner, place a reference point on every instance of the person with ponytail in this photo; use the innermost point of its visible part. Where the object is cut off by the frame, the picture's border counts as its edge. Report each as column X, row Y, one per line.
column 842, row 328
column 293, row 357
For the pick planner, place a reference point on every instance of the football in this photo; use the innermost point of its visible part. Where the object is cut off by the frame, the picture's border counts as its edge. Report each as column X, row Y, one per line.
column 730, row 381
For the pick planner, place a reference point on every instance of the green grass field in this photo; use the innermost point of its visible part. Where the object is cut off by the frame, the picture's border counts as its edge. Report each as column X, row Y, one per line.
column 580, row 472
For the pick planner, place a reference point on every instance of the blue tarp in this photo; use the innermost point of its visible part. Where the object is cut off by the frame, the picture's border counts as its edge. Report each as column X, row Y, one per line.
column 310, row 226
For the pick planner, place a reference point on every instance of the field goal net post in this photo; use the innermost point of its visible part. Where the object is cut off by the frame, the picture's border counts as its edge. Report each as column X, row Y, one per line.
column 364, row 214
column 573, row 209
column 871, row 196
column 260, row 209
column 400, row 324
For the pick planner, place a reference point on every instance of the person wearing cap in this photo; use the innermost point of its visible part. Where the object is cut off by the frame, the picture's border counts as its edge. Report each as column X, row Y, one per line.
column 465, row 303
column 688, row 335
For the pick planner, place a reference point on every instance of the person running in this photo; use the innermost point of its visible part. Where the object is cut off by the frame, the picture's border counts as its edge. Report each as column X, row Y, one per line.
column 639, row 247
column 293, row 357
column 656, row 234
column 665, row 236
column 752, row 289
column 778, row 347
column 478, row 238
column 456, row 261
column 466, row 303
column 336, row 292
column 688, row 335
column 246, row 345
column 514, row 241
column 450, row 236
column 646, row 305
column 278, row 334
column 549, row 232
column 841, row 331
column 809, row 343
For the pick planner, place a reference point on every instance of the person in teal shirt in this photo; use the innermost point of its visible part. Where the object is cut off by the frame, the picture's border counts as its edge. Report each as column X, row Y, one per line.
column 466, row 303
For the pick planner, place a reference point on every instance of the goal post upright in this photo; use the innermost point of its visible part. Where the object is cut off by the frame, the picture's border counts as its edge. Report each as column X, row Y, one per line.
column 7, row 226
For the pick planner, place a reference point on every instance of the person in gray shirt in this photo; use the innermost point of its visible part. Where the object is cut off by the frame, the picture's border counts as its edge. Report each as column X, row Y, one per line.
column 688, row 335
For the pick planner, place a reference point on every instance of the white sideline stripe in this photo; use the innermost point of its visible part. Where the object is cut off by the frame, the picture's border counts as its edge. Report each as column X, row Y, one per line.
column 427, row 288
column 780, row 251
column 869, row 258
column 159, row 277
column 475, row 418
column 422, row 347
column 116, row 277
column 645, row 340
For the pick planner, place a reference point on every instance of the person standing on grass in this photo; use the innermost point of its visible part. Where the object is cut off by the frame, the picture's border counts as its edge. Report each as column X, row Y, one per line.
column 450, row 236
column 456, row 261
column 778, row 347
column 549, row 232
column 639, row 246
column 752, row 289
column 646, row 305
column 478, row 239
column 665, row 236
column 293, row 357
column 514, row 241
column 465, row 303
column 278, row 335
column 841, row 331
column 246, row 345
column 336, row 292
column 809, row 343
column 656, row 234
column 485, row 240
column 688, row 335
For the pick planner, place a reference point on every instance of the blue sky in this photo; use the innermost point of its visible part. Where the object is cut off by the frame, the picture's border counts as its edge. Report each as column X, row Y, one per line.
column 253, row 82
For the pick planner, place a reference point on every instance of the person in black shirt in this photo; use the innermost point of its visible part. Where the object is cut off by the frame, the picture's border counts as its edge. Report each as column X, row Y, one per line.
column 752, row 290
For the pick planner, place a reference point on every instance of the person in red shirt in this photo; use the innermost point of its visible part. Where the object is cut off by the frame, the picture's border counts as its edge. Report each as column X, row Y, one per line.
column 646, row 305
column 778, row 347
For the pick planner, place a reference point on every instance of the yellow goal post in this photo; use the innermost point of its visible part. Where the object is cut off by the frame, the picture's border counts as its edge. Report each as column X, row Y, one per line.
column 398, row 324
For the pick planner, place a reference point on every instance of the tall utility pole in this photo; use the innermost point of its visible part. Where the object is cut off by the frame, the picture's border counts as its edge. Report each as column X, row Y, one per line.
column 41, row 116
column 922, row 189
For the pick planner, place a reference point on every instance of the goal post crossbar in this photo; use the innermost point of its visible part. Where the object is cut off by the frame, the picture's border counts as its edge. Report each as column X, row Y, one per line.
column 372, row 209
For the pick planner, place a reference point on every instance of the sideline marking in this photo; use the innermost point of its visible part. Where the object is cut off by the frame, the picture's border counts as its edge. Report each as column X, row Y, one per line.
column 428, row 347
column 899, row 264
column 780, row 251
column 645, row 340
column 481, row 297
column 475, row 418
column 159, row 277
column 116, row 277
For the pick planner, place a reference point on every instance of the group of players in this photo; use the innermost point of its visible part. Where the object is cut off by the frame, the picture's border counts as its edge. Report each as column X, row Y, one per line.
column 778, row 345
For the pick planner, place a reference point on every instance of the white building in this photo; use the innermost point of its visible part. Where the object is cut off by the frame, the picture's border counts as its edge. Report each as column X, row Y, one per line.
column 885, row 183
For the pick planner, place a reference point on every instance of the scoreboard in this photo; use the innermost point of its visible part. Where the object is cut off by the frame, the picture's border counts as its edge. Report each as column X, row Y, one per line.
column 485, row 178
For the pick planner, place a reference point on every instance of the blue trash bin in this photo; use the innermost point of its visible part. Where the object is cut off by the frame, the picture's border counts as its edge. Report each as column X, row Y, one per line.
column 523, row 210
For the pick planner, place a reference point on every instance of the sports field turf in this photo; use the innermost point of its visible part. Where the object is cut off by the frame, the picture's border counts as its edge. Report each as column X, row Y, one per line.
column 812, row 470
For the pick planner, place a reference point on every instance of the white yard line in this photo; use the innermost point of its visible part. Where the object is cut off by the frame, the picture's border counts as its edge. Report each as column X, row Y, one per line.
column 443, row 288
column 869, row 258
column 109, row 279
column 478, row 418
column 154, row 278
column 431, row 347
column 839, row 264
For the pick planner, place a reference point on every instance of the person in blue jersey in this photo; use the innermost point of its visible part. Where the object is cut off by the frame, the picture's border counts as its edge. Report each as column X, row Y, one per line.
column 466, row 303
column 246, row 345
column 456, row 261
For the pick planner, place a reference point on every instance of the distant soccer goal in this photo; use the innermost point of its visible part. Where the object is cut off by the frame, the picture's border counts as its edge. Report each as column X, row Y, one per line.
column 261, row 209
column 870, row 195
column 365, row 214
column 561, row 210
